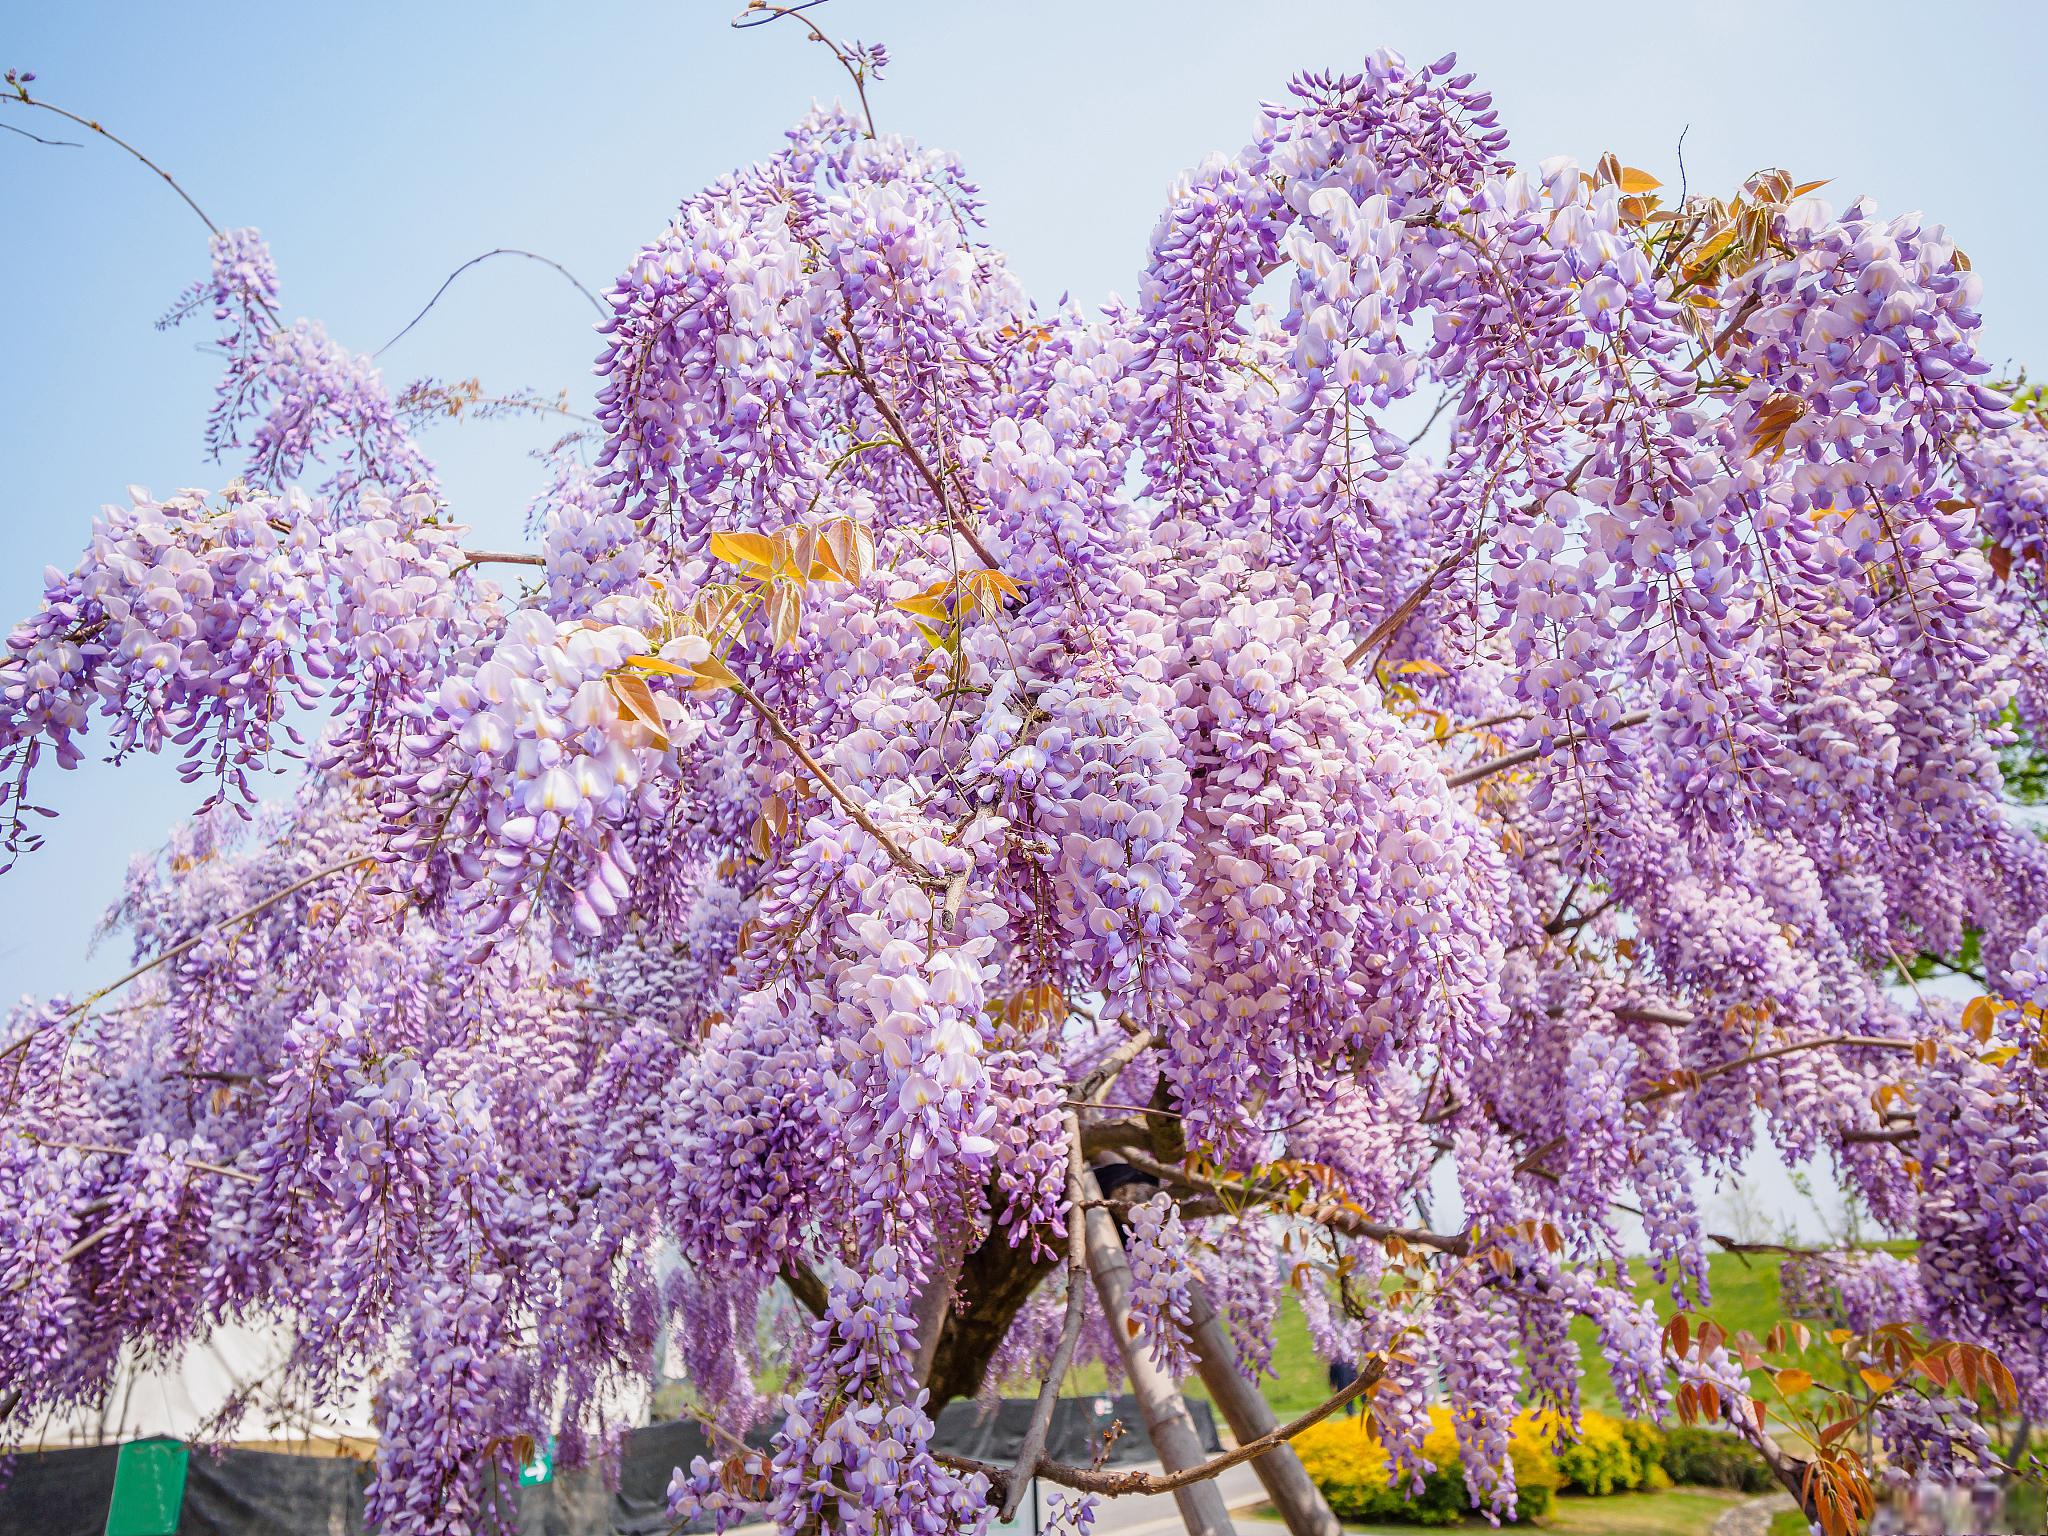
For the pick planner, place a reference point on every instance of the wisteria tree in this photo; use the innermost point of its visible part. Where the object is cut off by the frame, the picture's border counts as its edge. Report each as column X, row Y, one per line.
column 942, row 745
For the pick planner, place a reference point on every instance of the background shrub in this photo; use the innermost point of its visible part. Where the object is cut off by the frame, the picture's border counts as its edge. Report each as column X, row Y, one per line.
column 1613, row 1455
column 1714, row 1460
column 1351, row 1468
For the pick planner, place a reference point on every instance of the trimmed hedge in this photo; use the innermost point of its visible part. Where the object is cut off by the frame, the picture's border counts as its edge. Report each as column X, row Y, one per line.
column 1609, row 1455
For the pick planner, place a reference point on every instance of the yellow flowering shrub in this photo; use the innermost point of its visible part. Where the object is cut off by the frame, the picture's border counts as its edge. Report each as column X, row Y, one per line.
column 1349, row 1464
column 1613, row 1455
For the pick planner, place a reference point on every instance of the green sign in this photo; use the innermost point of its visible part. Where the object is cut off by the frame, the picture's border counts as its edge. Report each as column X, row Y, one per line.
column 149, row 1488
column 541, row 1467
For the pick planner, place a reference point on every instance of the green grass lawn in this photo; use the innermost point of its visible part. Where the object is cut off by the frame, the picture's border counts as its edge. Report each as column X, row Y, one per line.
column 1299, row 1381
column 1745, row 1297
column 1675, row 1512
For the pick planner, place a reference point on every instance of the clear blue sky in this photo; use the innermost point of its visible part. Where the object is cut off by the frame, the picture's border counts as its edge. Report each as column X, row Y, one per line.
column 380, row 145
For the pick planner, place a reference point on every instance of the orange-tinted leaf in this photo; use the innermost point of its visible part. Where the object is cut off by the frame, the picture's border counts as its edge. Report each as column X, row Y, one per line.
column 636, row 703
column 2003, row 1387
column 1979, row 1015
column 656, row 664
column 1633, row 180
column 1792, row 1379
column 711, row 674
column 1877, row 1381
column 743, row 549
column 785, row 614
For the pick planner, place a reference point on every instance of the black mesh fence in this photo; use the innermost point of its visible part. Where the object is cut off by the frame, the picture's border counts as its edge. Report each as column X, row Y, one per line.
column 265, row 1493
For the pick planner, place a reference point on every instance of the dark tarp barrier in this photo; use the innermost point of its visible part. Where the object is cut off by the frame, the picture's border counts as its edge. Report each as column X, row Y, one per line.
column 270, row 1493
column 57, row 1493
column 265, row 1493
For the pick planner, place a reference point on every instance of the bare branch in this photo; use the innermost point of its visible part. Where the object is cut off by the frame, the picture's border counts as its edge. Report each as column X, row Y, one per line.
column 97, row 1149
column 1691, row 1080
column 1329, row 1213
column 1897, row 1135
column 1112, row 1067
column 805, row 1286
column 1523, row 755
column 758, row 13
column 861, row 818
column 1736, row 1246
column 1115, row 1484
column 472, row 557
column 20, row 96
column 47, row 143
column 186, row 946
column 503, row 250
column 1032, row 1448
column 858, row 372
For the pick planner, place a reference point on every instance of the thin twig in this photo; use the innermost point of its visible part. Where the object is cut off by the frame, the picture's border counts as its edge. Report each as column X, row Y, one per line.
column 472, row 557
column 1390, row 626
column 1692, row 1080
column 758, row 13
column 503, row 250
column 100, row 1149
column 20, row 95
column 861, row 818
column 1737, row 1246
column 1523, row 755
column 1329, row 1213
column 47, row 143
column 954, row 524
column 186, row 946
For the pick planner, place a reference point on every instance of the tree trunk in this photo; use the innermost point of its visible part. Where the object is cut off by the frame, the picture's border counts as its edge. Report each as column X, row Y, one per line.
column 932, row 1306
column 1300, row 1502
column 1166, row 1416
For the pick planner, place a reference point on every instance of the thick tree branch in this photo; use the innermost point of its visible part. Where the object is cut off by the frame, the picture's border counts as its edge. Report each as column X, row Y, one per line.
column 1112, row 1066
column 1329, row 1213
column 805, row 1286
column 1116, row 1484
